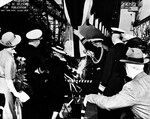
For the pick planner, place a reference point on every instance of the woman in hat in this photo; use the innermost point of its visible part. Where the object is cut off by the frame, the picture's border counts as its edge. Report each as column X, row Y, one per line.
column 7, row 72
column 134, row 94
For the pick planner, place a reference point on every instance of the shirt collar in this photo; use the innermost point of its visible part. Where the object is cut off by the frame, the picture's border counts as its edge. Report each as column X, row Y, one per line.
column 140, row 75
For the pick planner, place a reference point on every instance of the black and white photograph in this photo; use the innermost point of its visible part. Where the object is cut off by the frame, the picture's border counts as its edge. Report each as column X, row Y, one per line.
column 74, row 59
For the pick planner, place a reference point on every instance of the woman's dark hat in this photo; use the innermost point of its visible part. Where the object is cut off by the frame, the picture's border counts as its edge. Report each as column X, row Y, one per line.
column 135, row 56
column 90, row 32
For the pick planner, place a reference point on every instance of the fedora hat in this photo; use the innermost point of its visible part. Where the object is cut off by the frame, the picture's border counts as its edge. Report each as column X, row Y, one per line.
column 34, row 34
column 135, row 56
column 59, row 49
column 9, row 39
column 136, row 42
column 117, row 30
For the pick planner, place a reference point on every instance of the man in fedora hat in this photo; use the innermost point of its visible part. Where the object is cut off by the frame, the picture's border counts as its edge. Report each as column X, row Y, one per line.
column 137, row 42
column 134, row 94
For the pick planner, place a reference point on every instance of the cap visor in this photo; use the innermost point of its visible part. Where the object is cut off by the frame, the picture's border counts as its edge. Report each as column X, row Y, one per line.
column 96, row 39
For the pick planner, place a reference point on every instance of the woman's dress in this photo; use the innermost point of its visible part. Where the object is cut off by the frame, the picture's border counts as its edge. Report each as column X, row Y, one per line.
column 7, row 72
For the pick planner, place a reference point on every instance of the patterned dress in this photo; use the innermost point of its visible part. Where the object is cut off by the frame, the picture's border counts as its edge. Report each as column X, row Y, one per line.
column 7, row 72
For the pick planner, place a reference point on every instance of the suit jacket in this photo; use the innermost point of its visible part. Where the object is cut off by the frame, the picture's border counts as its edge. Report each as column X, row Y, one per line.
column 134, row 94
column 114, row 71
column 113, row 77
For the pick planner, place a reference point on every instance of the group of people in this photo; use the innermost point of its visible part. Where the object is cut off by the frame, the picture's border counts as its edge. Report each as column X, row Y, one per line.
column 43, row 99
column 124, row 85
column 121, row 84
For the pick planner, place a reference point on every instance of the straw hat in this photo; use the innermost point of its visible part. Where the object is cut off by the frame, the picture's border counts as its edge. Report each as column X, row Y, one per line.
column 9, row 39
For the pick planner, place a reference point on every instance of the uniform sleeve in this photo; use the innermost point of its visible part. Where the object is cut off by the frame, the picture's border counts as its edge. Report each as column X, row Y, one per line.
column 124, row 98
column 108, row 67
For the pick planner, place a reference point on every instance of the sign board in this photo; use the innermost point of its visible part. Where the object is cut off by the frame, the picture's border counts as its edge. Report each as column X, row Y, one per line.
column 4, row 2
column 15, row 6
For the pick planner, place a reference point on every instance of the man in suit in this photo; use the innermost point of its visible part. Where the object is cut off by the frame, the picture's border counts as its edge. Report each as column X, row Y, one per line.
column 134, row 94
column 114, row 72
